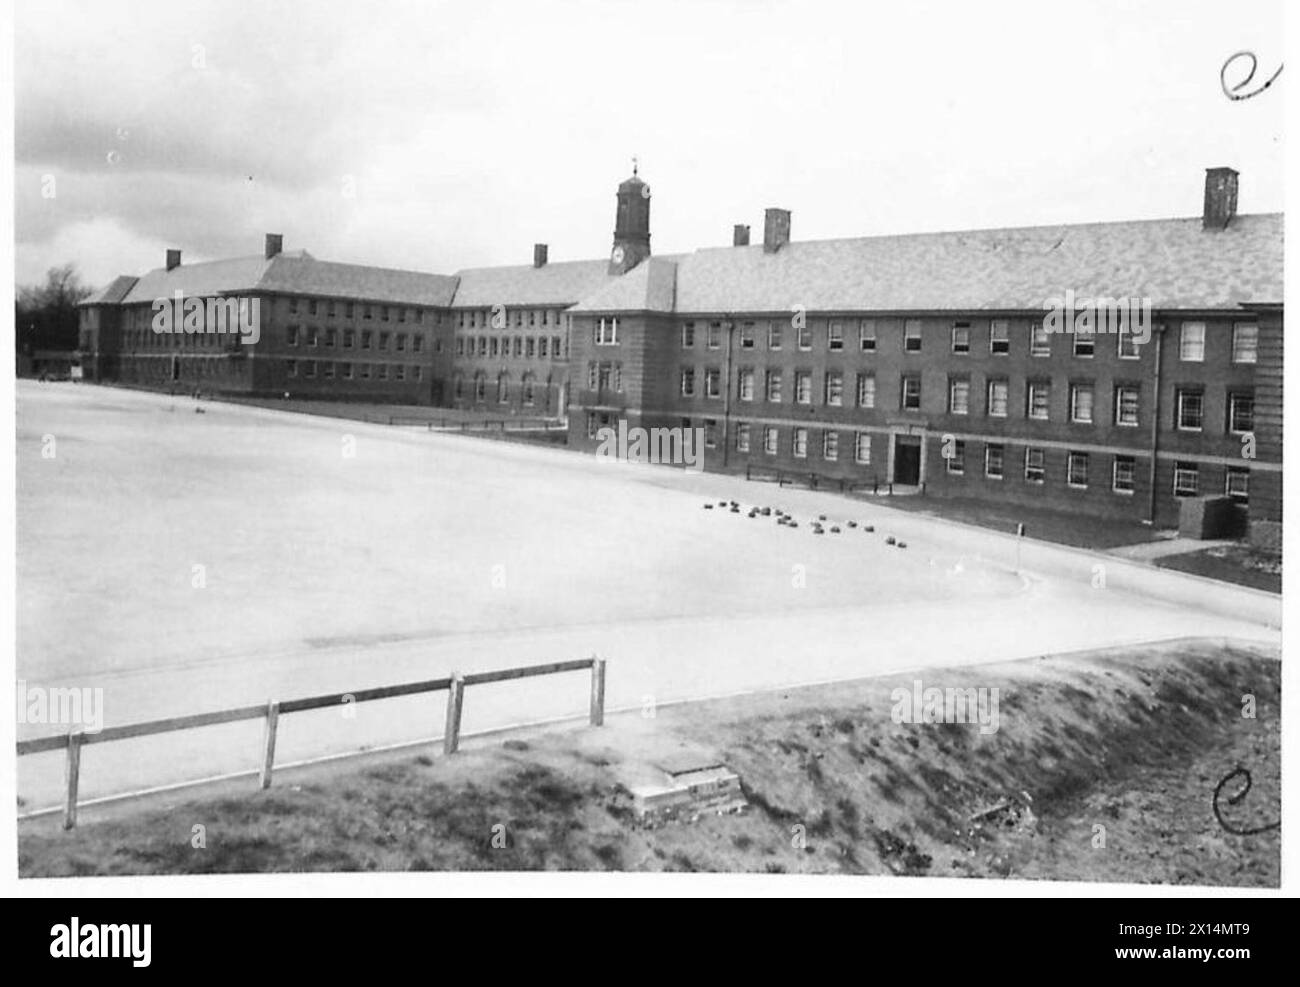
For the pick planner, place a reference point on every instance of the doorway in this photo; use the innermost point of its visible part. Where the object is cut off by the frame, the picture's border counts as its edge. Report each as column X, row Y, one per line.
column 907, row 459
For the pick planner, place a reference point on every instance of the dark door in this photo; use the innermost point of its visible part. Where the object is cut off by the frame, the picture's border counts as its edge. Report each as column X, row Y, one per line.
column 907, row 460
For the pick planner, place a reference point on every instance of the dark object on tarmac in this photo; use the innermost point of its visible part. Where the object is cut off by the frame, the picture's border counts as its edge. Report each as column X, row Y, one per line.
column 889, row 540
column 708, row 507
column 868, row 528
column 902, row 544
column 853, row 524
column 835, row 530
column 821, row 517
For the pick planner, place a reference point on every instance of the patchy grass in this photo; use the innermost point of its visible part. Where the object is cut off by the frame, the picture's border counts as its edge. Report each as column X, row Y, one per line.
column 1241, row 564
column 1060, row 527
column 1130, row 740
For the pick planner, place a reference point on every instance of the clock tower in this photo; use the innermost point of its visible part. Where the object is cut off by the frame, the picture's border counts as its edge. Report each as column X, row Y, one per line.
column 631, row 225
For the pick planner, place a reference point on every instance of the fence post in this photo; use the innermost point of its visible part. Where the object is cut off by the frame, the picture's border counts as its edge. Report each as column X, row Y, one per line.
column 597, row 691
column 268, row 742
column 72, row 776
column 455, row 703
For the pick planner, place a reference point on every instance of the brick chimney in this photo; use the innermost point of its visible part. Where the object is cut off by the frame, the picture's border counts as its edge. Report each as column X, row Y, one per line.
column 1220, row 198
column 173, row 259
column 274, row 244
column 740, row 235
column 776, row 230
column 539, row 255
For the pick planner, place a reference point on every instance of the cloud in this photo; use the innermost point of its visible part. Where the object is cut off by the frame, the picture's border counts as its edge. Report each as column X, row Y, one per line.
column 443, row 136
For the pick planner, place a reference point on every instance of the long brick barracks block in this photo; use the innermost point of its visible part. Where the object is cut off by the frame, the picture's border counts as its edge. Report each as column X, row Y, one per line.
column 925, row 361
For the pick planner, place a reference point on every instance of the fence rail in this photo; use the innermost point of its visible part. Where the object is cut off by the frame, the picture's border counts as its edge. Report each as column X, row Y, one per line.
column 270, row 712
column 816, row 481
column 484, row 425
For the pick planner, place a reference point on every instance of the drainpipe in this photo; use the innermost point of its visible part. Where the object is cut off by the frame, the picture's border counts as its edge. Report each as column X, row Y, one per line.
column 1159, row 331
column 730, row 325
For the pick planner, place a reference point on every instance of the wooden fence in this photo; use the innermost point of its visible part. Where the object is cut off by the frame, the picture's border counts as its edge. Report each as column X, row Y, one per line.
column 816, row 481
column 454, row 684
column 485, row 425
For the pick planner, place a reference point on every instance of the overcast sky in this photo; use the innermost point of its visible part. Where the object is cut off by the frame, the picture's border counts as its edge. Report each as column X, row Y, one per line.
column 440, row 136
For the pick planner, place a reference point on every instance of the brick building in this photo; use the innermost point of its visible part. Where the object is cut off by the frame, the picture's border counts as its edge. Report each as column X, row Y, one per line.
column 918, row 360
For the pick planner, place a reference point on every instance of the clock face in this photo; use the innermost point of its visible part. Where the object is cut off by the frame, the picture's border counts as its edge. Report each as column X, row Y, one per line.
column 617, row 255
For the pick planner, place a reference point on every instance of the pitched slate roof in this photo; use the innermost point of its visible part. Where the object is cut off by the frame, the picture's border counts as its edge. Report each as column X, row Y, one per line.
column 294, row 272
column 1173, row 262
column 113, row 292
column 651, row 286
column 561, row 283
column 308, row 276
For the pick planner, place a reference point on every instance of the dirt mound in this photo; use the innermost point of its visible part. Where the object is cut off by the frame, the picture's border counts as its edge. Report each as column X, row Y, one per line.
column 1102, row 766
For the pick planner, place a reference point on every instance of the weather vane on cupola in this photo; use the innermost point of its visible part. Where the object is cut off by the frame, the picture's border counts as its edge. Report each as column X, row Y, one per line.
column 634, row 163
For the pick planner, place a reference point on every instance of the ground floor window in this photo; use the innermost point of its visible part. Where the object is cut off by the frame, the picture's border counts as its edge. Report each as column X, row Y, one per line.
column 1076, row 470
column 1122, row 478
column 799, row 443
column 1187, row 481
column 993, row 462
column 862, row 450
column 956, row 458
column 742, row 437
column 770, row 439
column 1237, row 484
column 1035, row 470
column 831, row 446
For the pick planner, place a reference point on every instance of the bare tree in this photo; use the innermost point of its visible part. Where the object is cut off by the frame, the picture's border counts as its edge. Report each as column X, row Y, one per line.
column 45, row 315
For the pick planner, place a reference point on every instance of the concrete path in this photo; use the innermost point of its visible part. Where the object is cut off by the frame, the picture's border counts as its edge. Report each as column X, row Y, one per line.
column 1147, row 551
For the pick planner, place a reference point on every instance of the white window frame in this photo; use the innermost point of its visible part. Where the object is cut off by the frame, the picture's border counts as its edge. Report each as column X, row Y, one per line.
column 866, row 391
column 1001, row 451
column 1237, row 349
column 956, row 384
column 1191, row 342
column 1182, row 470
column 862, row 448
column 999, row 332
column 1130, row 464
column 1031, row 389
column 1041, row 469
column 831, row 446
column 867, row 336
column 1075, row 391
column 961, row 338
column 1179, row 396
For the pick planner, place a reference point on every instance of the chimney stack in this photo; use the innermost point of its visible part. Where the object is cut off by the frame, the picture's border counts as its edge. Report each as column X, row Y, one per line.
column 173, row 259
column 539, row 255
column 1220, row 198
column 740, row 236
column 776, row 230
column 274, row 244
